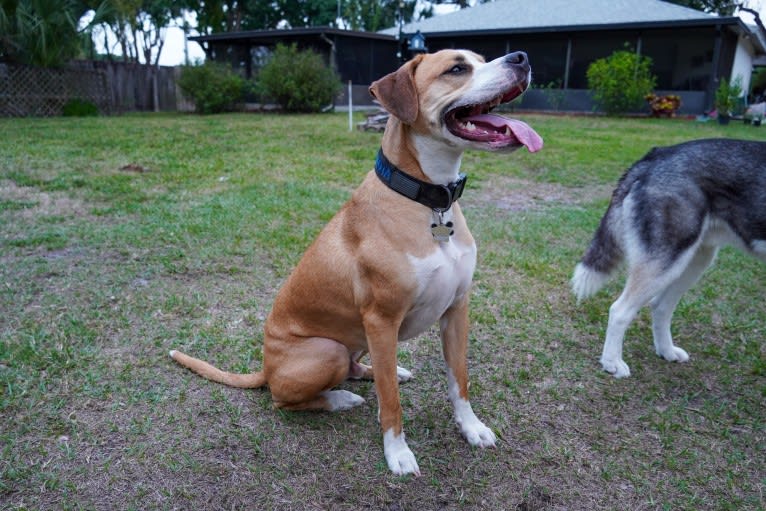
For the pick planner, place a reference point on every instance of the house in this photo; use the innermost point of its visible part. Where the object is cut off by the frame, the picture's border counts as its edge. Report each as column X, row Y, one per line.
column 691, row 50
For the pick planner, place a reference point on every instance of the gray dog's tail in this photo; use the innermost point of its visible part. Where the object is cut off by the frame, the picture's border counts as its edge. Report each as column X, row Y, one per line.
column 603, row 256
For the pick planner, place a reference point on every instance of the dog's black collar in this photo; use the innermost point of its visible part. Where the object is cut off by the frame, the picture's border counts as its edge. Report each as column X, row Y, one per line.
column 436, row 197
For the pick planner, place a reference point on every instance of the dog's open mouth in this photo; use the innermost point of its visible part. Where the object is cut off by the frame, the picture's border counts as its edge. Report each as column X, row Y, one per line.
column 476, row 123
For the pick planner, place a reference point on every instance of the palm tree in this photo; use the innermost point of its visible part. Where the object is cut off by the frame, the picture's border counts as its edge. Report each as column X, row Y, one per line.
column 44, row 32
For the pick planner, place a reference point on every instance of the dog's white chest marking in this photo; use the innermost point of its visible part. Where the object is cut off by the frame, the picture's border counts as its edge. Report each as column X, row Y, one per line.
column 443, row 278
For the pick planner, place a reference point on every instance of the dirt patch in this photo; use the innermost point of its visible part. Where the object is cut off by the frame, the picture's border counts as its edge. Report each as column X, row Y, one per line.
column 37, row 203
column 536, row 499
column 135, row 167
column 515, row 194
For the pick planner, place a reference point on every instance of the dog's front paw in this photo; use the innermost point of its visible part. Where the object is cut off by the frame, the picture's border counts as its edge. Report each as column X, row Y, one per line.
column 477, row 434
column 399, row 457
column 674, row 354
column 617, row 368
column 402, row 463
column 474, row 431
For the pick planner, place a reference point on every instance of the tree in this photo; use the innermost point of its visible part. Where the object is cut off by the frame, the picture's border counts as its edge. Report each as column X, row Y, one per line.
column 234, row 15
column 44, row 32
column 215, row 16
column 374, row 15
column 308, row 13
column 153, row 18
column 140, row 27
column 722, row 7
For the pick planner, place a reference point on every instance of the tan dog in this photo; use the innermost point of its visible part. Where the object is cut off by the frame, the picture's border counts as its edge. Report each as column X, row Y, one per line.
column 397, row 257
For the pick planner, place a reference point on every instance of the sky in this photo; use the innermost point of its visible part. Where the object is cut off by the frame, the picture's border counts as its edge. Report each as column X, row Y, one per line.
column 173, row 51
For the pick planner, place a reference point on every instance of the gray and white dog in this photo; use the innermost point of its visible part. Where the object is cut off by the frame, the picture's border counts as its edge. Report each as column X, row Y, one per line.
column 669, row 215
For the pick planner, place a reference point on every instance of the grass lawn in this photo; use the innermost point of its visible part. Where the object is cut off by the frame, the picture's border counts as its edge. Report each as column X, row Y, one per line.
column 124, row 237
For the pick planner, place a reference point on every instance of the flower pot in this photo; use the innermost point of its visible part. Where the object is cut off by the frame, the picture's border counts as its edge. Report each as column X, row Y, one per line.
column 723, row 119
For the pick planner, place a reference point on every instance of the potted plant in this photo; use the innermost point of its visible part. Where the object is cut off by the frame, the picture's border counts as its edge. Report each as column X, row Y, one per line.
column 726, row 96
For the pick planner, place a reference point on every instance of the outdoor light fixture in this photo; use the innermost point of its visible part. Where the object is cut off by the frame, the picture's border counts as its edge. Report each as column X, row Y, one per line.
column 417, row 43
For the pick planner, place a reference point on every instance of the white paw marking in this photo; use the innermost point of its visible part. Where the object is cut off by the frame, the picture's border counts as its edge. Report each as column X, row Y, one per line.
column 618, row 368
column 341, row 400
column 398, row 455
column 474, row 431
column 675, row 354
column 402, row 374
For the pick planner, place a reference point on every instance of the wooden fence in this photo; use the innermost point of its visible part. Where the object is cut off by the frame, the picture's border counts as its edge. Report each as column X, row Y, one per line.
column 114, row 87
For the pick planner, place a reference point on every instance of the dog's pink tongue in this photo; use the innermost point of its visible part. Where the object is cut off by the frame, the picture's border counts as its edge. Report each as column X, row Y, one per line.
column 521, row 130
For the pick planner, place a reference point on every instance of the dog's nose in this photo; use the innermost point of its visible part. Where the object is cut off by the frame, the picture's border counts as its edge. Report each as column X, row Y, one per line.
column 518, row 58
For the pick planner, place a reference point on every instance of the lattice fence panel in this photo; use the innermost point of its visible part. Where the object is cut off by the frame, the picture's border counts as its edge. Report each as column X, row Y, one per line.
column 31, row 91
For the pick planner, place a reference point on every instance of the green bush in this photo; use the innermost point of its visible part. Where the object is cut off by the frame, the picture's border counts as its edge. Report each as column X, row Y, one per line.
column 213, row 87
column 77, row 107
column 728, row 96
column 620, row 81
column 299, row 81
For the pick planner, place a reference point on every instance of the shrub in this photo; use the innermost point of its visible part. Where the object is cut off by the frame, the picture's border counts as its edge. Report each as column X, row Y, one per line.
column 621, row 81
column 298, row 80
column 727, row 96
column 77, row 107
column 212, row 86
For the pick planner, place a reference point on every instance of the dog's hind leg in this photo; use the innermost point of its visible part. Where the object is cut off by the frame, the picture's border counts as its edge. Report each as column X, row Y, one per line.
column 304, row 378
column 648, row 281
column 621, row 314
column 643, row 283
column 360, row 371
column 665, row 304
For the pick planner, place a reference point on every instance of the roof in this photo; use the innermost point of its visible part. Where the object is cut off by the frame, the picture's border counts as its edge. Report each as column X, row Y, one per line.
column 281, row 33
column 541, row 15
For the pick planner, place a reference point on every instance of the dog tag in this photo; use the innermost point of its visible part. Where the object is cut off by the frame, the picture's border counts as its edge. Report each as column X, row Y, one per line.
column 441, row 232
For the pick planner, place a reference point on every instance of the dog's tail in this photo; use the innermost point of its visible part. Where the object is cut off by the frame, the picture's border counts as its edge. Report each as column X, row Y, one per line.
column 601, row 258
column 243, row 381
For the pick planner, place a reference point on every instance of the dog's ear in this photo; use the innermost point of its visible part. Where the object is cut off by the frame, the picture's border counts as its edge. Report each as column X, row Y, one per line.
column 397, row 93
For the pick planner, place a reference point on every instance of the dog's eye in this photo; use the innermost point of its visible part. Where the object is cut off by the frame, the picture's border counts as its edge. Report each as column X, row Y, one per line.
column 457, row 69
